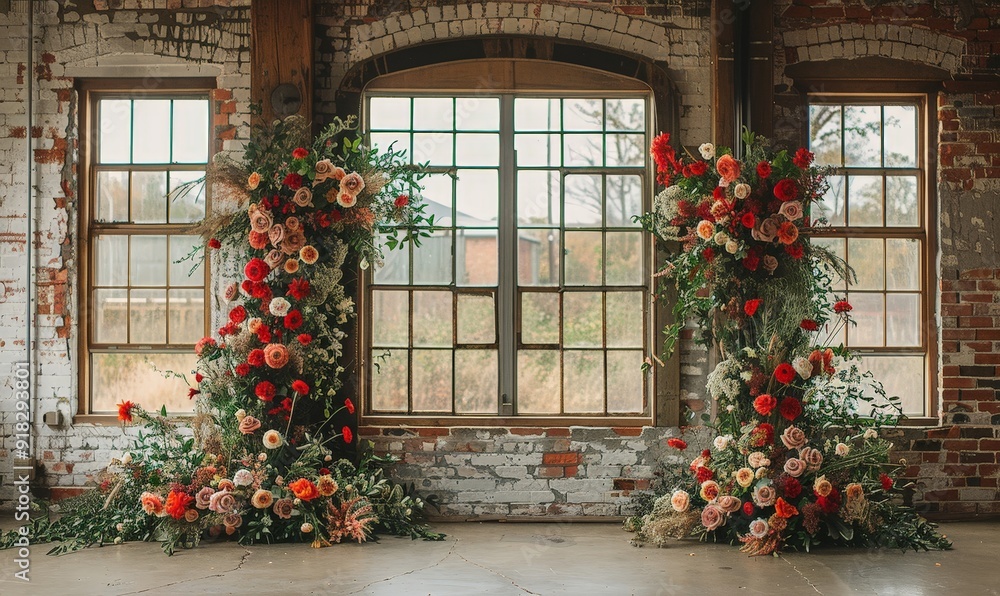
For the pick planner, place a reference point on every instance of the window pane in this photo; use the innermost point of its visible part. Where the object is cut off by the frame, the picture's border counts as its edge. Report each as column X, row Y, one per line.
column 583, row 114
column 903, row 263
column 583, row 258
column 110, row 316
column 476, row 319
column 583, row 150
column 867, row 258
column 625, row 382
column 903, row 320
column 112, row 196
column 538, row 198
column 148, row 316
column 390, row 318
column 625, row 114
column 869, row 314
column 624, row 319
column 536, row 114
column 902, row 376
column 583, row 200
column 626, row 150
column 186, row 272
column 389, row 381
column 116, row 130
column 833, row 207
column 824, row 134
column 432, row 380
column 187, row 197
column 624, row 258
column 397, row 141
column 584, row 381
column 433, row 113
column 837, row 247
column 477, row 257
column 186, row 316
column 190, row 131
column 539, row 373
column 477, row 197
column 389, row 113
column 540, row 318
column 149, row 197
column 434, row 257
column 901, row 204
column 538, row 257
column 151, row 136
column 862, row 136
column 623, row 196
column 537, row 150
column 119, row 376
column 865, row 200
column 476, row 382
column 111, row 262
column 474, row 113
column 148, row 264
column 395, row 267
column 900, row 136
column 583, row 320
column 433, row 147
column 432, row 317
column 437, row 192
column 477, row 149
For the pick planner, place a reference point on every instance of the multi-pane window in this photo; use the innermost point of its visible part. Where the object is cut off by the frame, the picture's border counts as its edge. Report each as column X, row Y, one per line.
column 529, row 298
column 145, row 302
column 875, row 213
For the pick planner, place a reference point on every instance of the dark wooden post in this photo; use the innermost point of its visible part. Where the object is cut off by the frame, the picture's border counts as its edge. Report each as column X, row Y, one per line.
column 723, row 31
column 281, row 53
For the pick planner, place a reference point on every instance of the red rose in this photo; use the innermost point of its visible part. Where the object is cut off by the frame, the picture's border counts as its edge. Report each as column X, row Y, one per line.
column 791, row 487
column 264, row 390
column 402, row 201
column 242, row 369
column 784, row 373
column 677, row 443
column 699, row 168
column 293, row 320
column 886, row 481
column 703, row 474
column 256, row 269
column 751, row 306
column 261, row 291
column 728, row 168
column 247, row 286
column 304, row 338
column 238, row 314
column 794, row 250
column 348, row 435
column 214, row 243
column 748, row 508
column 293, row 181
column 300, row 153
column 286, row 404
column 765, row 404
column 803, row 158
column 298, row 288
column 829, row 503
column 790, row 408
column 255, row 357
column 751, row 261
column 709, row 254
column 349, row 405
column 719, row 193
column 842, row 306
column 809, row 325
column 764, row 169
column 706, row 454
column 299, row 386
column 748, row 220
column 786, row 190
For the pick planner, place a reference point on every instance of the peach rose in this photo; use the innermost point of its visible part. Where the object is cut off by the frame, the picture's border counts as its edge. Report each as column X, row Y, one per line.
column 152, row 504
column 248, row 425
column 794, row 467
column 326, row 485
column 253, row 181
column 201, row 499
column 709, row 490
column 303, row 197
column 346, row 200
column 812, row 457
column 741, row 190
column 842, row 449
column 712, row 516
column 272, row 440
column 680, row 501
column 729, row 503
column 292, row 224
column 276, row 234
column 728, row 168
column 191, row 516
column 788, row 233
column 273, row 258
column 283, row 508
column 855, row 491
column 822, row 487
column 757, row 459
column 764, row 496
column 275, row 355
column 792, row 210
column 352, row 184
column 261, row 221
column 309, row 254
column 253, row 324
column 294, row 241
column 262, row 499
column 324, row 170
column 744, row 477
column 232, row 520
column 793, row 438
column 706, row 229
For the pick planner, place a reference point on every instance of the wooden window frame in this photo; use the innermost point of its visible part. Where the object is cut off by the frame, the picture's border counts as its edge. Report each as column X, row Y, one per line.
column 922, row 95
column 89, row 92
column 521, row 78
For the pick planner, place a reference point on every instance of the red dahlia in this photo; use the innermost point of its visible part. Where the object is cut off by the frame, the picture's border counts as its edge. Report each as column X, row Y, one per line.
column 803, row 158
column 256, row 270
column 886, row 482
column 304, row 338
column 784, row 373
column 791, row 487
column 255, row 357
column 177, row 503
column 238, row 314
column 765, row 404
column 214, row 243
column 298, row 288
column 704, row 474
column 293, row 181
column 293, row 320
column 299, row 386
column 264, row 390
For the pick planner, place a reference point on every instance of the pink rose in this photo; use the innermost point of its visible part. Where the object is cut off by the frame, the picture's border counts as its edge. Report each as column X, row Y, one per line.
column 201, row 500
column 222, row 502
column 352, row 183
column 795, row 467
column 792, row 210
column 764, row 496
column 274, row 258
column 248, row 425
column 712, row 516
column 729, row 503
column 793, row 437
column 680, row 501
column 812, row 457
column 303, row 197
column 275, row 234
column 260, row 221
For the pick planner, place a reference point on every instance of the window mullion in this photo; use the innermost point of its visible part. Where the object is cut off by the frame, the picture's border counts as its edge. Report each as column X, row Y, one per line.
column 507, row 248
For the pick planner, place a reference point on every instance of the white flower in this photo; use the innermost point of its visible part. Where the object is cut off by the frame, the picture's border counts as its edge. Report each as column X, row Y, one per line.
column 842, row 449
column 723, row 183
column 707, row 150
column 721, row 238
column 742, row 190
column 732, row 247
column 721, row 442
column 759, row 528
column 756, row 459
column 802, row 366
column 272, row 439
column 127, row 459
column 279, row 307
column 871, row 433
column 730, row 408
column 241, row 414
column 752, row 353
column 243, row 478
column 306, row 528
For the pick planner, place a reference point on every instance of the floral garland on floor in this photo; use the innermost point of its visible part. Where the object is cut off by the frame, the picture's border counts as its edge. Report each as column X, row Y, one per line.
column 796, row 461
column 263, row 463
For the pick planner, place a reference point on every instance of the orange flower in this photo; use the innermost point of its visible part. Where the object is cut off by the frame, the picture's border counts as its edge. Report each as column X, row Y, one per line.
column 177, row 503
column 258, row 240
column 151, row 504
column 253, row 181
column 291, row 265
column 304, row 489
column 309, row 254
column 728, row 168
column 275, row 355
column 784, row 509
column 788, row 233
column 706, row 229
column 125, row 411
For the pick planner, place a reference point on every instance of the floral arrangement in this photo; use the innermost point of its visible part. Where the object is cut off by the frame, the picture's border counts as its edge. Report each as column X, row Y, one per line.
column 262, row 463
column 796, row 461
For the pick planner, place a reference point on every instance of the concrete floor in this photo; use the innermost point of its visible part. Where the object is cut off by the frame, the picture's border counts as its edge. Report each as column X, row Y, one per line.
column 514, row 558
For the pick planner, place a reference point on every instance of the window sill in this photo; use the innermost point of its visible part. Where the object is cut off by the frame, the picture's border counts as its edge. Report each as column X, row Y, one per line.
column 506, row 421
column 112, row 419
